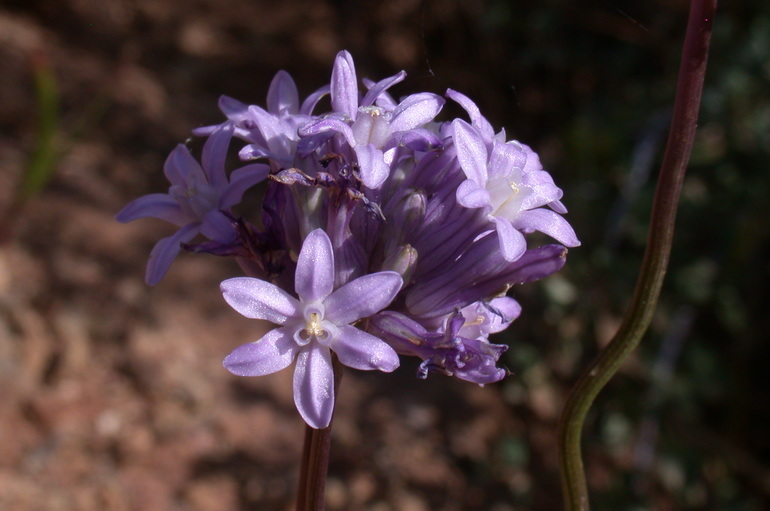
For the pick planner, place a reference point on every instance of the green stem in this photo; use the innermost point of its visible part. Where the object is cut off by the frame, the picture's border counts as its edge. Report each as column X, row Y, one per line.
column 639, row 314
column 315, row 459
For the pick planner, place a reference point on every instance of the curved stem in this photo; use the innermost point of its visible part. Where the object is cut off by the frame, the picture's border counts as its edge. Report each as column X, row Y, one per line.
column 315, row 459
column 659, row 239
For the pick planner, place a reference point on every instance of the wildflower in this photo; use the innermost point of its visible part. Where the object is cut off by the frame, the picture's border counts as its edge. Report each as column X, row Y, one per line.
column 313, row 326
column 508, row 182
column 372, row 133
column 417, row 231
column 198, row 200
column 459, row 346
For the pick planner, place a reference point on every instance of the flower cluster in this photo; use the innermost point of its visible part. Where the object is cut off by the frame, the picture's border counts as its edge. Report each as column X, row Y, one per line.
column 381, row 231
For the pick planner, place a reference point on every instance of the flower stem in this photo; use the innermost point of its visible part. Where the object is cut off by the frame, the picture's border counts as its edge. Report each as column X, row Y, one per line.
column 315, row 458
column 639, row 314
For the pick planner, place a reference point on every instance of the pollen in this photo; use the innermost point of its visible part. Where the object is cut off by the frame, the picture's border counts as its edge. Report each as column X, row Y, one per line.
column 313, row 326
column 478, row 321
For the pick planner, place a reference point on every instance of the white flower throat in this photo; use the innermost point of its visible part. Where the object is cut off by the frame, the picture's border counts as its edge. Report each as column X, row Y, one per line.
column 314, row 327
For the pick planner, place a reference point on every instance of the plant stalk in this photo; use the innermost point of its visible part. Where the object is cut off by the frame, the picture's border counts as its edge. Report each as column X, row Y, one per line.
column 659, row 239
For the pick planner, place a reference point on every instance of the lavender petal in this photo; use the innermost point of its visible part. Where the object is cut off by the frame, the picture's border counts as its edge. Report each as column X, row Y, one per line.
column 362, row 297
column 240, row 181
column 360, row 350
column 415, row 111
column 314, row 278
column 154, row 205
column 550, row 223
column 471, row 151
column 512, row 242
column 258, row 299
column 373, row 169
column 478, row 121
column 376, row 89
column 314, row 386
column 215, row 153
column 273, row 352
column 165, row 250
column 344, row 89
column 471, row 195
column 282, row 96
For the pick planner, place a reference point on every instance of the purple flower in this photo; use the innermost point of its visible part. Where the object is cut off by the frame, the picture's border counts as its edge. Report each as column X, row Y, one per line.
column 459, row 347
column 508, row 182
column 417, row 230
column 313, row 326
column 197, row 200
column 373, row 133
column 271, row 133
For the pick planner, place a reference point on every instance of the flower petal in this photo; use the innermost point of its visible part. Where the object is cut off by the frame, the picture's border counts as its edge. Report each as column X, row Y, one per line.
column 282, row 96
column 478, row 120
column 372, row 166
column 273, row 352
column 360, row 350
column 558, row 207
column 255, row 152
column 241, row 180
column 164, row 252
column 215, row 153
column 512, row 242
column 154, row 205
column 506, row 310
column 471, row 195
column 506, row 159
column 314, row 386
column 314, row 279
column 233, row 109
column 533, row 160
column 415, row 111
column 471, row 151
column 180, row 164
column 362, row 297
column 550, row 223
column 375, row 89
column 218, row 227
column 274, row 133
column 344, row 88
column 258, row 299
column 312, row 100
column 307, row 145
column 328, row 124
column 418, row 139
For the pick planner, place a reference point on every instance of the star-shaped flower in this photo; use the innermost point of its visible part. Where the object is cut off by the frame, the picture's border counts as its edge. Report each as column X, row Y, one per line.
column 197, row 200
column 373, row 126
column 313, row 326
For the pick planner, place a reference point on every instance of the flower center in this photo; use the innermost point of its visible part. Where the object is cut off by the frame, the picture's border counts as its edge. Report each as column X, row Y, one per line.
column 507, row 196
column 372, row 126
column 315, row 326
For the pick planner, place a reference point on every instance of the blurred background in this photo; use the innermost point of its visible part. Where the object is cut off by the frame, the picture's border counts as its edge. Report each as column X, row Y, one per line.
column 113, row 394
